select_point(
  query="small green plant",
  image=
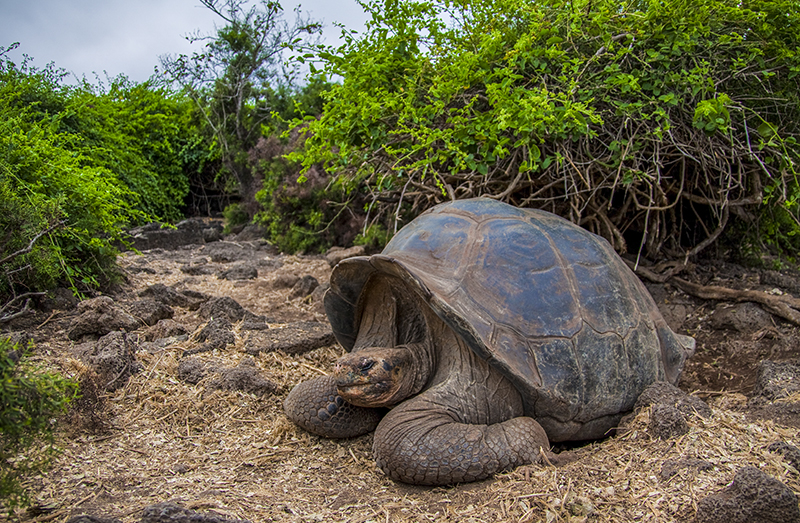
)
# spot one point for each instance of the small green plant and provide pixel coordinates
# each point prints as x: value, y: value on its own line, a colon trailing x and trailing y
x: 374, y: 238
x: 234, y: 216
x: 770, y: 239
x: 30, y: 398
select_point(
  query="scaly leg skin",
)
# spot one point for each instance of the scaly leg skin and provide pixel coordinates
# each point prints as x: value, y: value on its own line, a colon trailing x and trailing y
x: 316, y: 406
x: 425, y: 447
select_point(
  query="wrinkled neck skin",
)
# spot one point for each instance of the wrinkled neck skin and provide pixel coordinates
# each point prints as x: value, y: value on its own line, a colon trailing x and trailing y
x: 393, y: 357
x: 465, y: 386
x: 403, y: 348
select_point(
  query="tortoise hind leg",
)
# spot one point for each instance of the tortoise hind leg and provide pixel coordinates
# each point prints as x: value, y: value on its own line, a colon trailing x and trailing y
x: 423, y: 446
x: 316, y: 406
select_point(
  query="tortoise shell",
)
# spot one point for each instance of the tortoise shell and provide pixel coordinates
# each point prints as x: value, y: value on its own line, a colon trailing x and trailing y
x: 547, y: 303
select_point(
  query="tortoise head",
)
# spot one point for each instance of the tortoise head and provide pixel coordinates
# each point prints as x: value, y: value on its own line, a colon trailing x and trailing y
x: 377, y: 376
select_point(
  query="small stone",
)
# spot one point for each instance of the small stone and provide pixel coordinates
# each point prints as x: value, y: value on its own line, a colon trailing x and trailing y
x: 337, y: 254
x: 240, y: 272
x: 172, y: 513
x: 666, y: 421
x: 89, y: 518
x: 244, y: 377
x: 672, y: 466
x: 99, y: 316
x: 211, y: 234
x: 167, y: 295
x: 166, y: 328
x: 217, y: 334
x: 191, y: 370
x: 304, y: 287
x: 741, y: 317
x: 222, y: 307
x: 285, y: 281
x: 113, y: 358
x: 293, y: 338
x: 776, y: 380
x: 150, y: 311
x: 666, y: 393
x: 226, y: 252
x: 196, y: 269
x: 753, y: 497
x: 319, y: 293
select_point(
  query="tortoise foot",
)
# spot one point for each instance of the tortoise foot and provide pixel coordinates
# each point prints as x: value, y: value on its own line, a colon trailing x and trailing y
x: 316, y: 406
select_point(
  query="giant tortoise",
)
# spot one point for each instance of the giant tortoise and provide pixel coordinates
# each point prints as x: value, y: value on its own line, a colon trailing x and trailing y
x: 489, y: 331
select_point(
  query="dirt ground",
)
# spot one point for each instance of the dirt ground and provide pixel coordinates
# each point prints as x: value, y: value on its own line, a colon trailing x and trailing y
x: 231, y: 452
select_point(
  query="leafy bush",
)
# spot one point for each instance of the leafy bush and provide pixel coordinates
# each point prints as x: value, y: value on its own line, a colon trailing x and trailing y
x: 30, y: 397
x: 374, y: 238
x: 770, y: 240
x: 234, y: 216
x: 139, y: 133
x: 25, y: 266
x: 300, y: 213
x: 292, y: 212
x: 45, y: 182
x: 645, y: 122
x: 80, y: 163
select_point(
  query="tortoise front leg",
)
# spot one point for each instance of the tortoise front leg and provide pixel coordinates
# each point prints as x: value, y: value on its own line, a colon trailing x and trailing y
x: 316, y: 406
x: 421, y: 445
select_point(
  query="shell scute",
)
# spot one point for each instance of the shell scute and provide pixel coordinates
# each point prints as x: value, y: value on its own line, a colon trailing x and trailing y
x: 560, y: 395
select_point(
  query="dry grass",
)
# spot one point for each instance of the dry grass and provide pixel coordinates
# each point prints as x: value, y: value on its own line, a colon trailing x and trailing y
x: 236, y: 454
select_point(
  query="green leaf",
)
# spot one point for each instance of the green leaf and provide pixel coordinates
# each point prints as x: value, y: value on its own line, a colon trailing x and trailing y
x: 766, y: 130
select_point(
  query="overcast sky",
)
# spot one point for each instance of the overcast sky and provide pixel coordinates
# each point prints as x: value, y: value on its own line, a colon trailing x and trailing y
x: 127, y: 36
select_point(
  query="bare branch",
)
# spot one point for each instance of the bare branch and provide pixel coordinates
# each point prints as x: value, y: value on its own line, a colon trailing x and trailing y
x: 6, y: 317
x: 29, y: 248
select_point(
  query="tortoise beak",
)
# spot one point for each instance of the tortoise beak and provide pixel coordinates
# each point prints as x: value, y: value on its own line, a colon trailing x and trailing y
x: 372, y: 377
x: 350, y: 372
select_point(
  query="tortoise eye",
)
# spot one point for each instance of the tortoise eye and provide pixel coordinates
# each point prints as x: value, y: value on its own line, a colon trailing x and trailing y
x: 366, y: 365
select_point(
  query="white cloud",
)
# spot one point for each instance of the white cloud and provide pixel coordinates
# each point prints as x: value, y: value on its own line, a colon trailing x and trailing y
x: 127, y: 36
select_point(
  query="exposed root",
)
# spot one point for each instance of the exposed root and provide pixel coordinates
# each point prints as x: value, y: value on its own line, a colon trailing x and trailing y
x: 787, y: 307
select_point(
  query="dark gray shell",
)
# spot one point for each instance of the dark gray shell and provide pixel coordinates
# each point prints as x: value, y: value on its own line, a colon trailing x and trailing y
x: 546, y: 302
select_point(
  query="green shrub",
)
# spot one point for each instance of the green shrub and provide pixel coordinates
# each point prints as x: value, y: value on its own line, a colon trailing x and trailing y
x: 306, y: 214
x: 46, y: 182
x: 30, y: 398
x: 139, y: 133
x: 234, y: 216
x: 296, y: 210
x: 645, y: 122
x: 83, y: 162
x: 374, y: 238
x: 22, y: 218
x: 770, y: 239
